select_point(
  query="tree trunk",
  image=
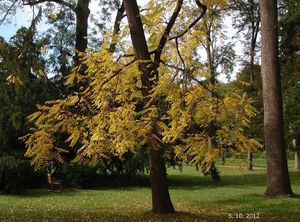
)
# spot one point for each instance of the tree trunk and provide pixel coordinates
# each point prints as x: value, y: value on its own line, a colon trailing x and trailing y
x: 250, y: 160
x: 278, y: 182
x: 297, y: 161
x: 161, y: 202
x: 116, y: 30
x: 222, y: 154
x: 296, y: 144
x: 82, y: 14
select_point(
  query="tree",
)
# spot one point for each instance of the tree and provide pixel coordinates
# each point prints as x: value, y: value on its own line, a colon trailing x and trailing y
x: 79, y: 8
x: 140, y: 96
x: 278, y: 182
x: 82, y: 12
x: 216, y: 57
x: 290, y: 57
x: 161, y: 202
x: 22, y: 84
x: 247, y: 20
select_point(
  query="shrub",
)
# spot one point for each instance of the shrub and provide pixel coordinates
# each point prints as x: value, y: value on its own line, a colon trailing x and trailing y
x: 77, y: 175
x: 15, y: 174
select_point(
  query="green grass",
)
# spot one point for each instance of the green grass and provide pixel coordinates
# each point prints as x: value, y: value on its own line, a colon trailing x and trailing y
x: 257, y: 162
x: 195, y: 198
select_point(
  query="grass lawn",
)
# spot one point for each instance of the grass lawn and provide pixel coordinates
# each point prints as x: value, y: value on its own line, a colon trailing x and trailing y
x: 257, y: 162
x: 195, y: 198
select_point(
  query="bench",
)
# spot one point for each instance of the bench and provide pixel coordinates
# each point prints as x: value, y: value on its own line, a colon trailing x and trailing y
x: 54, y: 183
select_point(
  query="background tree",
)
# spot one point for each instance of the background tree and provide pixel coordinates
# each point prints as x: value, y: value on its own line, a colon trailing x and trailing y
x: 23, y: 84
x: 246, y: 19
x: 289, y: 52
x: 278, y: 182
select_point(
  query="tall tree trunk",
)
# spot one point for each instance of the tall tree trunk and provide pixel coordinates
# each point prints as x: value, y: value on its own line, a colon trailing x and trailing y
x: 82, y: 12
x: 278, y: 182
x: 161, y: 202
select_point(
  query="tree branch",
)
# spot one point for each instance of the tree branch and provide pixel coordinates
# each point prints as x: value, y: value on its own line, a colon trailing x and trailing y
x: 7, y: 12
x: 205, y: 87
x: 117, y: 72
x: 167, y: 31
x: 32, y: 3
x: 172, y: 66
x: 203, y: 8
x: 179, y: 54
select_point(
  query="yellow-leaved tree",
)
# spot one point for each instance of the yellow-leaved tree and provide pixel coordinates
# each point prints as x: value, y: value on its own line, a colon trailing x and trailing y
x: 151, y: 94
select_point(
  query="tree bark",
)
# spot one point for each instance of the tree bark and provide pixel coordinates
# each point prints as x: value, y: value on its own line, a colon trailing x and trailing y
x: 82, y: 12
x: 278, y: 182
x: 161, y: 202
x: 116, y: 30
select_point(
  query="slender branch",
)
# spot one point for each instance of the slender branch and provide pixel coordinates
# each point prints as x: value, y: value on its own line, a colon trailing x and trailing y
x: 179, y: 54
x: 7, y: 12
x: 131, y: 55
x: 172, y: 66
x: 203, y: 8
x: 117, y: 72
x: 193, y: 78
x: 205, y: 87
x: 32, y: 3
x: 167, y: 31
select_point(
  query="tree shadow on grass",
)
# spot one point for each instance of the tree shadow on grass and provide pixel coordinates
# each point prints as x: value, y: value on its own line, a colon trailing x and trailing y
x: 194, y: 182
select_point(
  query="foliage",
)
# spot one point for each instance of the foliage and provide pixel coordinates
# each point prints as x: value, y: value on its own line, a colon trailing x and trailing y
x: 22, y: 85
x: 254, y: 91
x: 289, y: 50
x: 245, y: 16
x: 15, y: 174
x: 104, y: 120
x: 108, y: 118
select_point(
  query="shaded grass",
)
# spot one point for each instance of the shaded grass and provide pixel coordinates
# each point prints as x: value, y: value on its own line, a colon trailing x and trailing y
x: 195, y: 198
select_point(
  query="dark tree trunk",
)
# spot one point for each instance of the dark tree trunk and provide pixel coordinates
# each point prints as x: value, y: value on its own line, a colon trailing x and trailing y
x: 278, y: 182
x: 82, y: 15
x: 116, y: 30
x: 161, y: 202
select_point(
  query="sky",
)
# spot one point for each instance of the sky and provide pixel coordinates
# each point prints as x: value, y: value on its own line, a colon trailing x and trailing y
x: 22, y: 18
